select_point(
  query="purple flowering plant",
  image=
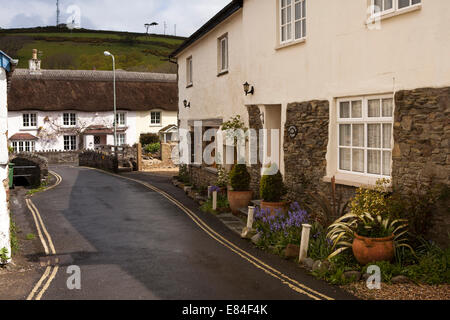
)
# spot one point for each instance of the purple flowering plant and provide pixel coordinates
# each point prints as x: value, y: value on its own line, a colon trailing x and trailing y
x: 280, y: 229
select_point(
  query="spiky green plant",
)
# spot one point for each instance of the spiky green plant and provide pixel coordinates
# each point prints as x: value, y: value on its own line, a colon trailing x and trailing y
x: 368, y: 217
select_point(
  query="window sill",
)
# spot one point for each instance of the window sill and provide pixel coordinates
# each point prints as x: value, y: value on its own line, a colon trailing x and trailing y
x: 394, y: 13
x: 354, y: 180
x: 29, y: 129
x: 222, y: 73
x: 189, y: 86
x: 156, y: 126
x: 290, y: 44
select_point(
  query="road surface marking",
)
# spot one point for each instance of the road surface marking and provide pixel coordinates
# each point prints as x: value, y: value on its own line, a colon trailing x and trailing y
x: 293, y: 284
x: 41, y: 226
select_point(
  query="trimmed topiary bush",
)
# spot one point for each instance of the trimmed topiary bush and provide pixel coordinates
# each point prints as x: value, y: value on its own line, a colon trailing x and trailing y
x: 240, y: 178
x: 272, y: 187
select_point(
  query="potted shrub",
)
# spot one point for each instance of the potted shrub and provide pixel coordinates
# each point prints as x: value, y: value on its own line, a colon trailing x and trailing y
x: 272, y: 191
x: 239, y: 196
x: 369, y: 229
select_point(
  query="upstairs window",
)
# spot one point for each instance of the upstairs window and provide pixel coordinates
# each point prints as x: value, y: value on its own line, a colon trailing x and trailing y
x: 189, y: 81
x: 29, y: 120
x: 155, y: 118
x: 223, y: 54
x: 121, y: 139
x: 121, y: 119
x: 381, y: 7
x: 292, y: 20
x: 69, y: 119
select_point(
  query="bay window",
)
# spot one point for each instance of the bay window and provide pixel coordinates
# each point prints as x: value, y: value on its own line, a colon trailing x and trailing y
x: 292, y: 20
x: 365, y: 133
x: 23, y: 146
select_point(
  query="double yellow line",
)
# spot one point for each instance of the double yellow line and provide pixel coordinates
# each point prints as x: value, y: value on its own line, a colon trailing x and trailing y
x: 286, y: 280
x: 50, y: 272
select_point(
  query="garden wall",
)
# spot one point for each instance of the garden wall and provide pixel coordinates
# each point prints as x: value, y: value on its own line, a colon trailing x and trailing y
x: 202, y: 177
x: 99, y: 160
x: 60, y: 157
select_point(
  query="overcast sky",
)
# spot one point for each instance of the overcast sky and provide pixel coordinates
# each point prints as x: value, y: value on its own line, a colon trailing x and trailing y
x: 117, y: 15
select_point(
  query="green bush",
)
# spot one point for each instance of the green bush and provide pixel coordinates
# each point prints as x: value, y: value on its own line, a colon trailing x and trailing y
x: 272, y: 188
x: 153, y: 148
x: 149, y: 138
x: 240, y: 178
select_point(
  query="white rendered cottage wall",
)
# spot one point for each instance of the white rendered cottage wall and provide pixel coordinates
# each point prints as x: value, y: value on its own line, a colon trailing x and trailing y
x: 144, y: 124
x: 4, y: 212
x: 84, y: 120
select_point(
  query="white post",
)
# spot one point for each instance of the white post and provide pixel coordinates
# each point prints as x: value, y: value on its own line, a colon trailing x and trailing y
x: 215, y: 200
x: 305, y: 242
x: 250, y: 217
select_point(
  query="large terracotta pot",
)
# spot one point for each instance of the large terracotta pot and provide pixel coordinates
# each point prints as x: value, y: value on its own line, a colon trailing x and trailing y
x: 368, y: 250
x: 239, y: 199
x: 274, y: 207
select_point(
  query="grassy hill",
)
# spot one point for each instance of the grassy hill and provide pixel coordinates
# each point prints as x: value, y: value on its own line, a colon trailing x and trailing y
x: 60, y: 48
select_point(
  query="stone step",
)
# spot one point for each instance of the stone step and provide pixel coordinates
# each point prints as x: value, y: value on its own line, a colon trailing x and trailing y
x: 125, y: 169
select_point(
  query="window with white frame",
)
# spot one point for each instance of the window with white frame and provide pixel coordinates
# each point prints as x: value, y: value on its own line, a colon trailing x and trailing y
x: 292, y: 20
x: 29, y: 120
x: 121, y: 119
x: 121, y: 139
x: 69, y: 119
x: 23, y: 146
x: 70, y: 143
x: 223, y: 54
x: 365, y: 134
x: 381, y: 7
x: 189, y: 70
x: 155, y: 118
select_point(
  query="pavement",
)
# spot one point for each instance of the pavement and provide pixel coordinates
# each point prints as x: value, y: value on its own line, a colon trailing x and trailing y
x: 137, y: 236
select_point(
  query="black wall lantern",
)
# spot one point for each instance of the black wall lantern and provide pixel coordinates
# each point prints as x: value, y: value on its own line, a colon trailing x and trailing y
x: 248, y: 90
x: 187, y: 104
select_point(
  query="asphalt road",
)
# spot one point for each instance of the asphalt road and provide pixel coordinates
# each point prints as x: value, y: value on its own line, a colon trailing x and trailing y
x: 132, y: 243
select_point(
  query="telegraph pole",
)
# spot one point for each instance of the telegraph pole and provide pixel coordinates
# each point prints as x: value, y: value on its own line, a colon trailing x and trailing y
x: 57, y: 13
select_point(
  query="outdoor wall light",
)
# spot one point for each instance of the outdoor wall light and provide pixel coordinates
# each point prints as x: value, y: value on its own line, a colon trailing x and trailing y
x: 247, y: 89
x: 187, y: 104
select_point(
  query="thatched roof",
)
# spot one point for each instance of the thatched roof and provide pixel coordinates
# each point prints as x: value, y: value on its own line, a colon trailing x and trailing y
x: 91, y: 91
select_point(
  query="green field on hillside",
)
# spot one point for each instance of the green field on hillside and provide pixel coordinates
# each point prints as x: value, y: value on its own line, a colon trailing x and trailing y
x: 83, y: 49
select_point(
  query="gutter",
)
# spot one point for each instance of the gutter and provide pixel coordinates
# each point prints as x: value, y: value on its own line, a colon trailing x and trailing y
x: 226, y: 12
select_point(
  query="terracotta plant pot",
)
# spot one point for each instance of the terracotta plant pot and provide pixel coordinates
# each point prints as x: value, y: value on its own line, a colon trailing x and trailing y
x: 274, y: 207
x: 368, y: 250
x: 239, y: 199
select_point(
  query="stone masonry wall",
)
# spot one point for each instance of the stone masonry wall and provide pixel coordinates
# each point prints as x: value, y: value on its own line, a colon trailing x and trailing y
x: 421, y: 152
x: 255, y: 170
x: 99, y: 160
x: 305, y: 155
x: 201, y: 177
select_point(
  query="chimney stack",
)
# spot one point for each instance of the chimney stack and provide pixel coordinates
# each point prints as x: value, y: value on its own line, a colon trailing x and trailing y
x: 35, y: 63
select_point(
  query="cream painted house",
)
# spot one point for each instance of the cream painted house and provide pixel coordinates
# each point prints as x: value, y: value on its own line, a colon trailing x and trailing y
x: 358, y: 88
x: 7, y: 66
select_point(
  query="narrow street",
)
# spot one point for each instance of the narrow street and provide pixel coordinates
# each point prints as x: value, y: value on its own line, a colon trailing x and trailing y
x: 131, y: 242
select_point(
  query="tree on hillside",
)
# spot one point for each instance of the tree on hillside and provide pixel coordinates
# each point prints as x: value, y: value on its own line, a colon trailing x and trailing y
x: 148, y: 25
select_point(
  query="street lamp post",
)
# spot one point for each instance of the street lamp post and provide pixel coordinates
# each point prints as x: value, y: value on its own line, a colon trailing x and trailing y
x: 115, y: 109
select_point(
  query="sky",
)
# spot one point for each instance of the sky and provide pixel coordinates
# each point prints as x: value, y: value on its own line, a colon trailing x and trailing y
x: 116, y: 15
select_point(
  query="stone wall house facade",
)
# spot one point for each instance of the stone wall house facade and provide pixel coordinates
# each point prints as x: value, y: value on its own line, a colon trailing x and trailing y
x: 359, y: 92
x: 7, y: 66
x: 68, y: 110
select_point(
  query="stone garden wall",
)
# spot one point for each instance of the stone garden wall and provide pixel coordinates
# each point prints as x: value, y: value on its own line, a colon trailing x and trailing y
x: 38, y: 175
x: 60, y: 157
x: 202, y: 177
x: 99, y: 160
